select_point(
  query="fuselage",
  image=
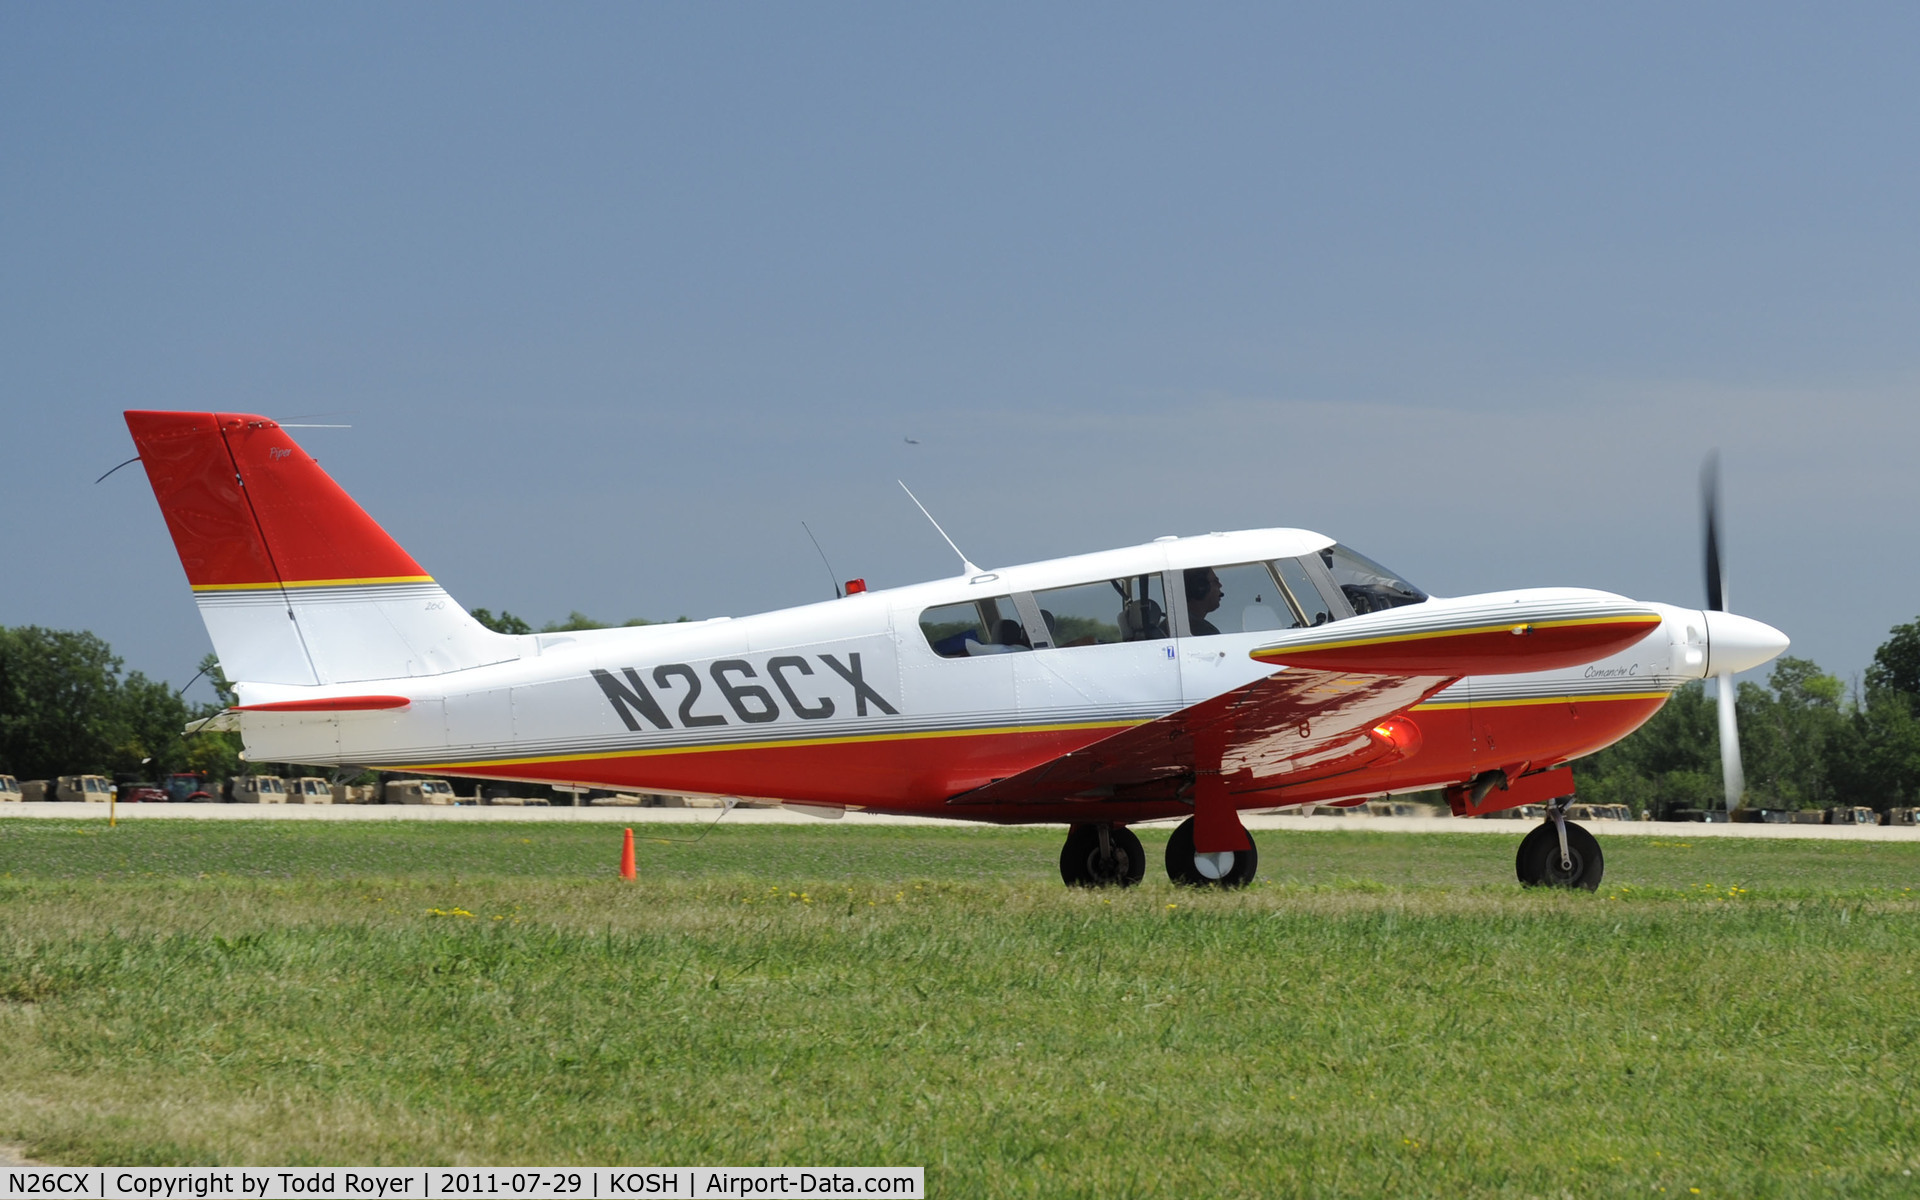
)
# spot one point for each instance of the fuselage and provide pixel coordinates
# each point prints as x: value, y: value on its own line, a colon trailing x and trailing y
x: 901, y: 700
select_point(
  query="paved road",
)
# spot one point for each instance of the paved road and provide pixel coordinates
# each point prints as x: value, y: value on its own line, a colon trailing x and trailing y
x: 789, y: 816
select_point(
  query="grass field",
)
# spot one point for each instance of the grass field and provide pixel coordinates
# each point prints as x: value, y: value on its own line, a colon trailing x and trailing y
x: 1381, y: 1014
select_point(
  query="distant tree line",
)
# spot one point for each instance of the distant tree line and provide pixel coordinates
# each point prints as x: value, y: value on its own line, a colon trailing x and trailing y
x: 506, y: 622
x: 68, y: 706
x: 1806, y: 741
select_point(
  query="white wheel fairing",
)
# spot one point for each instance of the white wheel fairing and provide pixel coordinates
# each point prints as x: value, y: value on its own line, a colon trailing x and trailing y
x: 1216, y: 865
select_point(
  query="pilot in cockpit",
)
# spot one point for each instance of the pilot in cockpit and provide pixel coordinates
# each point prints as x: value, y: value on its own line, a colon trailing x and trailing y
x: 1203, y: 597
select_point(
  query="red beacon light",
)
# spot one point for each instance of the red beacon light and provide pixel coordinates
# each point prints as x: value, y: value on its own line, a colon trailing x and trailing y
x: 856, y: 586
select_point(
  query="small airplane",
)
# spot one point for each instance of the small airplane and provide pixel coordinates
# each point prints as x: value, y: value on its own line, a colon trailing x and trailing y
x: 1190, y: 677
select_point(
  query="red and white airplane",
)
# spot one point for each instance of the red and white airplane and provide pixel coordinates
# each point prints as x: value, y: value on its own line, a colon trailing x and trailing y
x: 1190, y: 676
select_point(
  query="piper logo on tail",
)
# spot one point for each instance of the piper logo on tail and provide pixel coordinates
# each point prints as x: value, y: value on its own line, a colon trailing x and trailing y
x: 796, y: 689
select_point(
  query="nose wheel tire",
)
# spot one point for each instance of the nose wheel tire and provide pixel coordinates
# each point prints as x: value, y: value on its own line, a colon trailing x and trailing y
x: 1084, y: 862
x: 1221, y: 869
x: 1538, y: 864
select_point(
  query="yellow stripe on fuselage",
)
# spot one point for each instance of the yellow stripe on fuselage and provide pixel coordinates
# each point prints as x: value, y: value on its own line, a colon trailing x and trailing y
x: 310, y: 583
x: 1561, y: 698
x: 787, y: 743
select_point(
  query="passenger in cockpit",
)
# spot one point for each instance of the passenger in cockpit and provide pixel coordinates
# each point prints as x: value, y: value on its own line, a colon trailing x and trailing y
x: 1203, y: 597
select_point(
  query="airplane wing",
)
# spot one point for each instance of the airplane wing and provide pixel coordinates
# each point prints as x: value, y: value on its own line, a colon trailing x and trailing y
x: 1288, y: 727
x: 1335, y: 705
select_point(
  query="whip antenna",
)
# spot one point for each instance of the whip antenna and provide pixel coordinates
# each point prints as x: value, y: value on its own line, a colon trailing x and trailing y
x: 966, y: 565
x: 823, y: 559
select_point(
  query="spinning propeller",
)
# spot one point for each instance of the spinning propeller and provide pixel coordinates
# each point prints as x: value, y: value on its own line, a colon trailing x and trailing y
x: 1734, y: 643
x: 1731, y: 772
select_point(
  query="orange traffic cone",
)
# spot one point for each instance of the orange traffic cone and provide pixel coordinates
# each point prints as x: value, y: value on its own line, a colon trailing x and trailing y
x: 626, y: 857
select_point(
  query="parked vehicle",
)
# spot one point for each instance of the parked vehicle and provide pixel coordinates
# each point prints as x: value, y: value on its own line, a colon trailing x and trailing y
x: 1525, y: 812
x: 419, y: 791
x: 259, y: 789
x: 356, y: 793
x: 140, y: 792
x: 83, y: 789
x: 1851, y: 814
x: 184, y: 787
x: 36, y: 791
x: 9, y: 790
x: 1599, y: 812
x: 1395, y: 808
x: 1901, y: 816
x: 309, y: 789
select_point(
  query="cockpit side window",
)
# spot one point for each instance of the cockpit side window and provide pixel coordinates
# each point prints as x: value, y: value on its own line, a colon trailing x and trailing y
x: 1241, y: 598
x: 1132, y: 609
x: 1368, y: 586
x: 974, y: 627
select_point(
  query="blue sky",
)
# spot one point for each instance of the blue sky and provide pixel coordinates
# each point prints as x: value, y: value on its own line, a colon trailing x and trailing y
x: 615, y: 296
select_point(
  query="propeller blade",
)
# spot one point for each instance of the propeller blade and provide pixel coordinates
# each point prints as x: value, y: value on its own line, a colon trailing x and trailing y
x: 1730, y: 770
x: 1710, y: 505
x: 1732, y: 776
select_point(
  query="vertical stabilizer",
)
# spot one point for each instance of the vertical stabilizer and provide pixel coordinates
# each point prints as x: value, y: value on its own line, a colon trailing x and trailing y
x: 297, y: 584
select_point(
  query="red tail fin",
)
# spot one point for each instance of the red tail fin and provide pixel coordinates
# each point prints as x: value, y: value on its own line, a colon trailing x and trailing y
x: 248, y: 508
x: 297, y: 584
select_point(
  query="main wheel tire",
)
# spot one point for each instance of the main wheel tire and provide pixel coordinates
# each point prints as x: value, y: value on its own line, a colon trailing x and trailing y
x: 1224, y: 869
x: 1082, y: 865
x: 1538, y: 861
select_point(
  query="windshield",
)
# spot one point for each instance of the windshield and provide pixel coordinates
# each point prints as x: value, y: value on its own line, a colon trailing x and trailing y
x: 1368, y: 586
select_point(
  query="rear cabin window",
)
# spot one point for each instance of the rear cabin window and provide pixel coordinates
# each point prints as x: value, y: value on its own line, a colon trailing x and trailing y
x: 974, y: 628
x: 1241, y: 598
x: 1133, y: 609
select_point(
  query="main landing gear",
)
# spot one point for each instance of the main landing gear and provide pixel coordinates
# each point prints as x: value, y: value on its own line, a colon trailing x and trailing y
x: 1221, y: 869
x: 1559, y: 853
x: 1099, y: 854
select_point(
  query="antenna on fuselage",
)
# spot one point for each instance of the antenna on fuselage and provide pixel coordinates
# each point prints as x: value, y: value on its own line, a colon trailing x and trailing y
x: 823, y: 559
x: 967, y: 567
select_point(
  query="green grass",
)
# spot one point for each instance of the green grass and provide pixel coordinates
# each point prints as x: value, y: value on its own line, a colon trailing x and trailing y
x: 1381, y: 1014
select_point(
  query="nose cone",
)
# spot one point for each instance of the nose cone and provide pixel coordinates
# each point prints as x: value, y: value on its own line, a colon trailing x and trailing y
x: 1736, y: 643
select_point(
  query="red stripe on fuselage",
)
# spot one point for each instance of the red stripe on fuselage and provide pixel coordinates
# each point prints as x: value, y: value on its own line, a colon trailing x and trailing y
x: 331, y: 704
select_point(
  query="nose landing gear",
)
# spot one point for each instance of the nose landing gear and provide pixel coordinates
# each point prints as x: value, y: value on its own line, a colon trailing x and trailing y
x: 1099, y: 854
x: 1558, y: 853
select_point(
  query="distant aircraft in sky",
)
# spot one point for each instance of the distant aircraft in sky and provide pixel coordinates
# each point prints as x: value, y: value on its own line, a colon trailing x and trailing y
x: 913, y: 441
x: 1193, y: 677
